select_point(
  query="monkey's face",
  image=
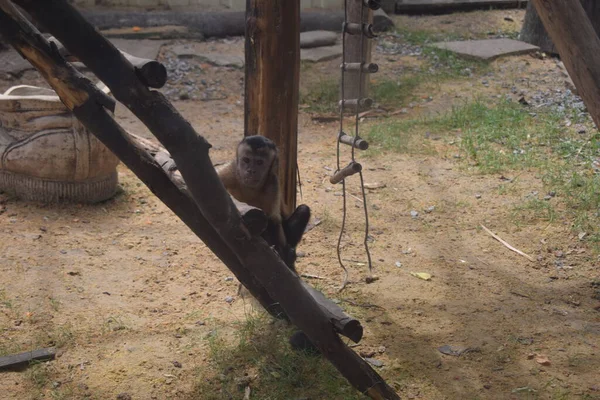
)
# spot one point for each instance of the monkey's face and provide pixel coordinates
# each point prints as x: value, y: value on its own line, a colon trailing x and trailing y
x: 253, y: 166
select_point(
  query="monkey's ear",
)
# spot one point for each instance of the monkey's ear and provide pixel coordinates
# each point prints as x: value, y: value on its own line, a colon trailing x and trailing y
x: 295, y: 225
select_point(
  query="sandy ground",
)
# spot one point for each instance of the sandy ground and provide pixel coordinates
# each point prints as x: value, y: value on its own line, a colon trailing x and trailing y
x: 124, y: 289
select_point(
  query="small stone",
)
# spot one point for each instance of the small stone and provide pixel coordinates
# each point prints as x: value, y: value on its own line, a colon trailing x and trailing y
x: 229, y: 299
x: 414, y: 213
x: 398, y: 264
x: 229, y: 279
x: 477, y: 195
x: 176, y: 364
x: 300, y: 254
x: 374, y: 362
x: 559, y: 254
x: 381, y: 349
x: 123, y: 396
x: 429, y: 209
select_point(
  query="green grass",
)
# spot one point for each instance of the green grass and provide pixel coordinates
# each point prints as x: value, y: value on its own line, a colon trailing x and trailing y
x: 503, y: 137
x: 260, y: 354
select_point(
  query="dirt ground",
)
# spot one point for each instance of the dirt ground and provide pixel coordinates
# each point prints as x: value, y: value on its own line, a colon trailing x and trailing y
x: 124, y: 289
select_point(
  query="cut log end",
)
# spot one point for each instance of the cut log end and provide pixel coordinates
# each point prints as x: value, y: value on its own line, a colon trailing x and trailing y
x: 350, y: 169
x: 359, y: 143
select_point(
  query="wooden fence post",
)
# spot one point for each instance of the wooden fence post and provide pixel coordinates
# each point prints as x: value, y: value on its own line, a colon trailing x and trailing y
x: 272, y: 83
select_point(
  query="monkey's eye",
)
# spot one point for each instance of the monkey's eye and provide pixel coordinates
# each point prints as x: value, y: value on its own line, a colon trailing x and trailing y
x: 246, y: 160
x: 259, y: 162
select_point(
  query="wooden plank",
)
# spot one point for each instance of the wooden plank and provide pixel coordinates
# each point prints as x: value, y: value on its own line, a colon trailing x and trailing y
x: 22, y: 359
x: 272, y: 84
x: 578, y: 46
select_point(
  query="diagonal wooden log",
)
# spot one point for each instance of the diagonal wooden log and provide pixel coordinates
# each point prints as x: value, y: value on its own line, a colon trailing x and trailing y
x: 190, y: 153
x: 88, y: 104
x: 578, y: 45
x: 253, y: 217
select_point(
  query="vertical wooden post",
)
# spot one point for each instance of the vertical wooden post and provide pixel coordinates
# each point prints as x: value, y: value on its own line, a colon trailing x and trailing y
x: 578, y: 45
x: 354, y: 51
x: 272, y: 83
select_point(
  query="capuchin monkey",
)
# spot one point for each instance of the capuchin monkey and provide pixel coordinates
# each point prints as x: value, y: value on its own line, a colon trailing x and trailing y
x: 252, y: 177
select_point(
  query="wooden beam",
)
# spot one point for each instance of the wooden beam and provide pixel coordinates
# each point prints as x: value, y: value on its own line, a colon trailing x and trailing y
x: 578, y: 46
x: 15, y: 361
x: 272, y: 83
x: 190, y: 153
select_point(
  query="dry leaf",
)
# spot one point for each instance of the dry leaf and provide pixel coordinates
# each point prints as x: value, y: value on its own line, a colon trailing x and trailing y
x: 422, y: 275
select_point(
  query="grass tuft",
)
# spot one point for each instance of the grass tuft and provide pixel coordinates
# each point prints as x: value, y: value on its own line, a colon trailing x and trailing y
x: 261, y: 358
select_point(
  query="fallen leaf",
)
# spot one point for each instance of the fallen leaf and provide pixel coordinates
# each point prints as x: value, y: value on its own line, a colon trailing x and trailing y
x: 422, y: 275
x: 136, y: 29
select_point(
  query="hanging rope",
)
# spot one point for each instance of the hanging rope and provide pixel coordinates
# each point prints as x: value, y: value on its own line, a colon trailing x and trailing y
x: 354, y: 141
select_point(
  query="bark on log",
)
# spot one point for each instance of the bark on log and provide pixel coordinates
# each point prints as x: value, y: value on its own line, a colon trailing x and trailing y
x: 343, y: 323
x: 578, y: 45
x: 190, y: 153
x: 218, y: 24
x: 272, y: 84
x: 533, y: 30
x: 151, y: 72
x: 254, y: 218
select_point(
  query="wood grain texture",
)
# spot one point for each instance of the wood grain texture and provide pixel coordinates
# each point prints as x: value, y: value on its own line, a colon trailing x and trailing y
x: 272, y: 84
x: 578, y: 45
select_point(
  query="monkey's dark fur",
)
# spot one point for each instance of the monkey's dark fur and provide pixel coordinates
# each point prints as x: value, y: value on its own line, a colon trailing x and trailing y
x: 252, y: 177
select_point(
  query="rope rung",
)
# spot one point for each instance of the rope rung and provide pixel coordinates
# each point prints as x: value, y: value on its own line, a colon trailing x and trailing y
x: 350, y: 169
x: 369, y: 68
x: 364, y: 102
x: 354, y: 28
x: 359, y: 143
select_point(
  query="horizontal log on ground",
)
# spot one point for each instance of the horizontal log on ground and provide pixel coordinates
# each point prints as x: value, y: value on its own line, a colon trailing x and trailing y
x: 16, y: 361
x: 348, y: 170
x: 191, y: 155
x: 151, y: 72
x: 359, y: 143
x: 448, y: 6
x: 220, y: 24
